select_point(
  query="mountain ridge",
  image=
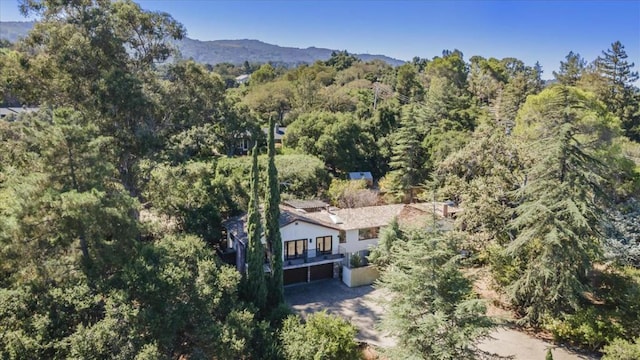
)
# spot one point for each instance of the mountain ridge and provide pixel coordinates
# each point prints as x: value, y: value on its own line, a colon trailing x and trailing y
x: 225, y: 50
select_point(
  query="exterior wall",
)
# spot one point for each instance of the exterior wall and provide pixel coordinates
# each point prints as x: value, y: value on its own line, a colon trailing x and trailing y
x: 359, y: 276
x: 302, y: 230
x: 354, y: 245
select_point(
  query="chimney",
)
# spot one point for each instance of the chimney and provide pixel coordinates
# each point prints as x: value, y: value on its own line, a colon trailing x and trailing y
x: 445, y: 210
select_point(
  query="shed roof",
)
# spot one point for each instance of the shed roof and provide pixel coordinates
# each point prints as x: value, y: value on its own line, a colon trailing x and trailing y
x: 366, y: 175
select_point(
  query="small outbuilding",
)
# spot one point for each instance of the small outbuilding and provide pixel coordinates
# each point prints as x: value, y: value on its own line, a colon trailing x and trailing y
x: 362, y: 175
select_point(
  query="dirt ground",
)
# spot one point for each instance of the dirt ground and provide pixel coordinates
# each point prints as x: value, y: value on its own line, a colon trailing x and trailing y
x: 359, y: 306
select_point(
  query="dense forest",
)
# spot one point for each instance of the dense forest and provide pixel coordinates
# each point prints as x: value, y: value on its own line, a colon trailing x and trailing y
x: 113, y: 194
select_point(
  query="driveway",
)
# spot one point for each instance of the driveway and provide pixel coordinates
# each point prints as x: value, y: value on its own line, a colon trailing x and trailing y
x: 358, y: 305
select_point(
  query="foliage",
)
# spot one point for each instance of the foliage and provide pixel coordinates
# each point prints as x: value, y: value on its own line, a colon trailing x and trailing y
x: 408, y: 157
x: 190, y: 195
x: 571, y: 70
x: 619, y: 93
x: 337, y: 139
x: 272, y: 225
x: 482, y: 178
x: 301, y: 176
x: 355, y: 261
x: 430, y: 307
x: 587, y: 328
x: 558, y: 222
x: 620, y: 349
x: 341, y: 60
x: 380, y: 255
x: 351, y: 194
x: 321, y: 336
x: 613, y: 312
x: 622, y: 245
x: 256, y: 286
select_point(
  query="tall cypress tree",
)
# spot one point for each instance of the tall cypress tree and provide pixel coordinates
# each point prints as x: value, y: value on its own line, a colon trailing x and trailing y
x: 272, y: 223
x: 256, y: 286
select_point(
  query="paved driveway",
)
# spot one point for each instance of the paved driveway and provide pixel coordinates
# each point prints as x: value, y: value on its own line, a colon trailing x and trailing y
x: 358, y: 305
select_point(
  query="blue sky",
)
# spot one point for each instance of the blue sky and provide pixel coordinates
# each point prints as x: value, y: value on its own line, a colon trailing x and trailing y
x: 532, y: 31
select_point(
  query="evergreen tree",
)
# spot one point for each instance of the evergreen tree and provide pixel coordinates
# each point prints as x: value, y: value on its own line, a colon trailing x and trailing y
x: 272, y: 223
x: 558, y: 220
x: 431, y: 309
x: 408, y: 157
x: 621, y: 96
x: 256, y: 286
x: 381, y: 254
x: 570, y: 70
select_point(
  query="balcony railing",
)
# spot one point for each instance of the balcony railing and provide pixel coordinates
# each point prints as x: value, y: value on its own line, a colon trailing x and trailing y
x: 308, y: 257
x: 355, y: 259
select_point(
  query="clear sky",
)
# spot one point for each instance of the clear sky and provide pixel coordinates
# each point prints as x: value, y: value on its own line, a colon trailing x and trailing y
x: 532, y: 31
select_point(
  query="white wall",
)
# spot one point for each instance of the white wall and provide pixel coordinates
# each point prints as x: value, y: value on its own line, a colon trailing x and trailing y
x: 353, y: 244
x: 302, y: 230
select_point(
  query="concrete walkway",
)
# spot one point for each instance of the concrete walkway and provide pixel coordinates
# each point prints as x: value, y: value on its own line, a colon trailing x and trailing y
x: 359, y: 306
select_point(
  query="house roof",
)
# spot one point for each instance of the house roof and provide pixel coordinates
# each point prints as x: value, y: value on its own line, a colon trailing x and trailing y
x: 305, y: 204
x: 289, y: 216
x: 419, y: 215
x: 278, y: 132
x: 359, y: 175
x: 16, y: 110
x: 358, y: 218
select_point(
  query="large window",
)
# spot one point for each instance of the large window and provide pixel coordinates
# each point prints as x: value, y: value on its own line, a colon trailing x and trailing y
x: 295, y: 249
x: 323, y: 244
x: 368, y: 233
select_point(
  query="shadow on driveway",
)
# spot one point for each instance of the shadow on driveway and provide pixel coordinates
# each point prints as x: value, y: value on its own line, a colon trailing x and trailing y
x: 356, y: 305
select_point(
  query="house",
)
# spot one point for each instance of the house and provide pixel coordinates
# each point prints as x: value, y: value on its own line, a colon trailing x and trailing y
x: 246, y: 140
x: 364, y: 175
x: 318, y: 241
x: 278, y: 133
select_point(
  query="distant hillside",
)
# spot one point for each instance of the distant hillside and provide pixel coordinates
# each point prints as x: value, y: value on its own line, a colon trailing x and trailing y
x: 14, y: 30
x: 218, y: 51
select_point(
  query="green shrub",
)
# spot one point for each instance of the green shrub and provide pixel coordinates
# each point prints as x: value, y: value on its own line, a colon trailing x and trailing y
x: 620, y: 349
x: 355, y: 260
x: 322, y: 336
x: 505, y: 269
x: 590, y: 328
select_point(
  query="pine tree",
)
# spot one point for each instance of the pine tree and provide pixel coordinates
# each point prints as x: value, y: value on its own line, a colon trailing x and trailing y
x: 621, y: 96
x: 571, y: 70
x: 272, y: 223
x: 408, y: 158
x: 430, y: 305
x: 256, y: 286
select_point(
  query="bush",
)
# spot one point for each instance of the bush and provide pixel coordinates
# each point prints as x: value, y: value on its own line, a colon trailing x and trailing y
x: 620, y: 349
x: 590, y: 328
x: 355, y: 260
x: 322, y: 336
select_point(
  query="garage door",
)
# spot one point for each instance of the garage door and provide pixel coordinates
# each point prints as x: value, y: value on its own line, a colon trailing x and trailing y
x: 324, y: 271
x: 293, y: 276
